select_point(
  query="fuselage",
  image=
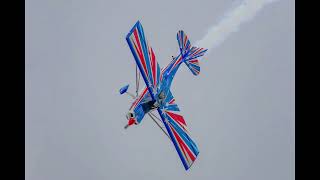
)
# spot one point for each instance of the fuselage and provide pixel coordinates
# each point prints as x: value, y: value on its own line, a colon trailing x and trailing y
x: 139, y: 107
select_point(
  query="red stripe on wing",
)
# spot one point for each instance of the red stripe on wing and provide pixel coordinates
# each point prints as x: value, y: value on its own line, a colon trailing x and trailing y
x: 183, y: 145
x: 172, y: 101
x: 176, y: 117
x: 140, y: 53
x: 140, y: 98
x: 153, y: 67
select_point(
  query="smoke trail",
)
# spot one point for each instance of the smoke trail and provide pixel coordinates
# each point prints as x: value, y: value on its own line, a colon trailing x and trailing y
x: 231, y: 22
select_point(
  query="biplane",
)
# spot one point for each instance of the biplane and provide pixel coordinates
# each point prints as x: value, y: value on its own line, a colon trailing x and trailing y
x: 156, y: 95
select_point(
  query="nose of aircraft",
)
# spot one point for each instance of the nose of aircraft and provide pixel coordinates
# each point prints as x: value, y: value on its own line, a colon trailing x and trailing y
x: 130, y: 122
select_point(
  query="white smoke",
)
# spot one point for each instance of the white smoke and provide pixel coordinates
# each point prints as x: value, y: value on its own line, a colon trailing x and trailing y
x: 231, y: 22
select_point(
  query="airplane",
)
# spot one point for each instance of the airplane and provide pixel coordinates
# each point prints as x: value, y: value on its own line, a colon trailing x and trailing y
x: 156, y: 95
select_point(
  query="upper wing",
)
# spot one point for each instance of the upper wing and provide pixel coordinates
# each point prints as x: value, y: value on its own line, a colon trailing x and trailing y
x: 179, y: 134
x: 144, y: 57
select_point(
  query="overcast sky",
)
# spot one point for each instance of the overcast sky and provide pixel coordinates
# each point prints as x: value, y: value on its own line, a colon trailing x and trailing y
x: 239, y: 110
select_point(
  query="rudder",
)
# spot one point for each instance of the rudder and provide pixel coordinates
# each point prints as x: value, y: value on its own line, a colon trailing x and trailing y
x: 189, y: 54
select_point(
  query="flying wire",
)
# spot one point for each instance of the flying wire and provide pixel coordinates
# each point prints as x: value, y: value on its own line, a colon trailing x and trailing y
x: 153, y: 118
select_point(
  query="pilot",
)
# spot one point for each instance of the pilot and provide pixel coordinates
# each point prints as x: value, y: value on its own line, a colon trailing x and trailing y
x: 147, y: 106
x: 161, y: 97
x: 153, y: 104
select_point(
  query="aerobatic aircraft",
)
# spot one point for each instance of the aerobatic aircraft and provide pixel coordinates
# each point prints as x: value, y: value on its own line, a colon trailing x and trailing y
x: 156, y: 95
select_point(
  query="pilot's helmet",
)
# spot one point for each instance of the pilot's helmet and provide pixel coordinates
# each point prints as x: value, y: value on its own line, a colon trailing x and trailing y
x: 161, y: 95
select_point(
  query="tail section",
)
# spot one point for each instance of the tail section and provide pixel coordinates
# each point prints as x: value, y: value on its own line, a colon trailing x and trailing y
x: 189, y: 54
x: 194, y: 66
x: 183, y: 41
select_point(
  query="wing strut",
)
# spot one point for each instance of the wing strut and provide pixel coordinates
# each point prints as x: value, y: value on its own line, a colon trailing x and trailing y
x: 154, y: 117
x: 137, y: 81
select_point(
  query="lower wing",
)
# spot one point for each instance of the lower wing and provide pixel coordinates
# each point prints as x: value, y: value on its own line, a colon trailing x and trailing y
x: 178, y: 132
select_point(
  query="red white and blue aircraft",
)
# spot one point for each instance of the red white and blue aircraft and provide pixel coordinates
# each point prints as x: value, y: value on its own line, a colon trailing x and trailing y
x: 156, y: 96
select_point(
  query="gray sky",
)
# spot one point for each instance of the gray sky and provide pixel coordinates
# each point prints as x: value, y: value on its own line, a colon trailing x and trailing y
x: 239, y: 110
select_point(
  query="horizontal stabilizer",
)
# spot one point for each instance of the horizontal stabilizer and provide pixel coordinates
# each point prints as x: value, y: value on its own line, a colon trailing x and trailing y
x: 188, y: 53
